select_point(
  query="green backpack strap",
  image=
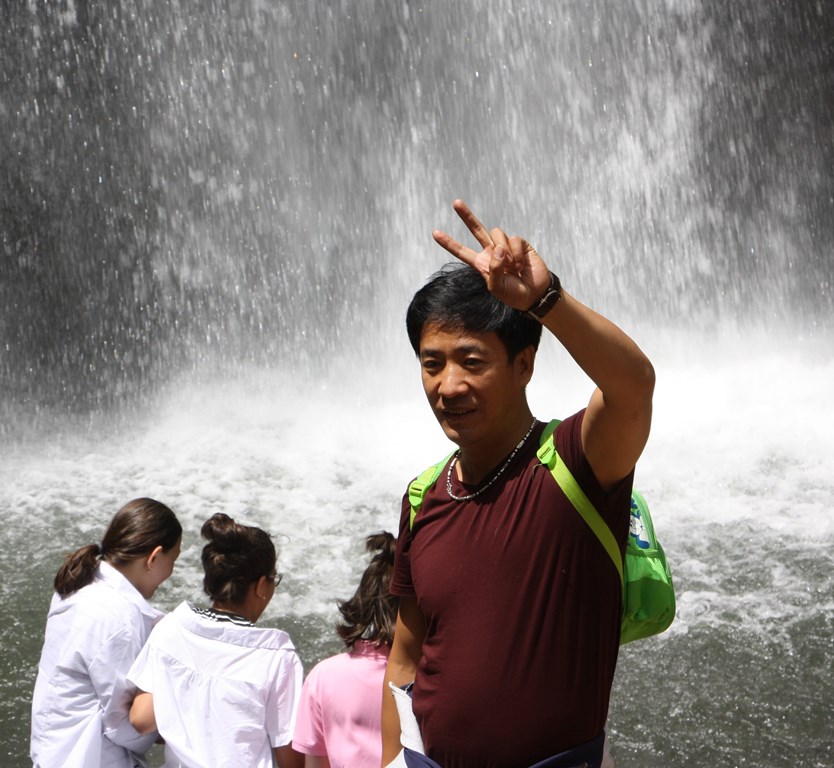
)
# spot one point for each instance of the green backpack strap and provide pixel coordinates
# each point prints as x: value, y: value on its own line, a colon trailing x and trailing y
x: 418, y: 487
x: 549, y: 456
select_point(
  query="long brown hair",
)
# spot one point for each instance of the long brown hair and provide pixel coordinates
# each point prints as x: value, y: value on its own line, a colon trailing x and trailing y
x: 235, y: 557
x: 371, y: 613
x: 135, y: 531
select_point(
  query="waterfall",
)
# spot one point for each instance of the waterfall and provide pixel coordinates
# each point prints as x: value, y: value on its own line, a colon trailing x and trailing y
x: 214, y: 214
x: 223, y: 184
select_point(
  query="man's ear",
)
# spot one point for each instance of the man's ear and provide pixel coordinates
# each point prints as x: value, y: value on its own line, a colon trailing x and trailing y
x: 525, y: 362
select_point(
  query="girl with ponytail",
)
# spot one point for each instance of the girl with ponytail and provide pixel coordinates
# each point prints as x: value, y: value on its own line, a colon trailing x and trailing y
x: 222, y: 691
x: 339, y: 717
x: 98, y: 621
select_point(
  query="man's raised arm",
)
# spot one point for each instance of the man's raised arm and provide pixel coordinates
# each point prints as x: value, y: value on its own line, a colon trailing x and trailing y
x: 617, y: 422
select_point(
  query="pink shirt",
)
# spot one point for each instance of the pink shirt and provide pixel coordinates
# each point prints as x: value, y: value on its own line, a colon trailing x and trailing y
x: 339, y: 714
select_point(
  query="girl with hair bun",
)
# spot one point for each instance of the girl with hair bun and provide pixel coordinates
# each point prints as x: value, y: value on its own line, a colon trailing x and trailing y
x: 98, y: 621
x: 222, y: 691
x: 339, y: 717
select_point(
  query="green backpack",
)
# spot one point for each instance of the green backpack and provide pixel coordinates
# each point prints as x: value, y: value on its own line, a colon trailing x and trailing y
x: 648, y: 592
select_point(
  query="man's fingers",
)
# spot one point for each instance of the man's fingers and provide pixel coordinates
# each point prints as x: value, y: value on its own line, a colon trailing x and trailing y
x: 513, y: 271
x: 458, y: 250
x: 478, y: 230
x: 518, y: 246
x: 499, y: 237
x: 499, y: 278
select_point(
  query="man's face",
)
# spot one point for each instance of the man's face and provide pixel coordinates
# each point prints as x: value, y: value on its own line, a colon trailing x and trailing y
x: 472, y: 387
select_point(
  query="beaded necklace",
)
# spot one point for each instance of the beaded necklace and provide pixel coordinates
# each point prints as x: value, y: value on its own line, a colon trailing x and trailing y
x: 494, y: 477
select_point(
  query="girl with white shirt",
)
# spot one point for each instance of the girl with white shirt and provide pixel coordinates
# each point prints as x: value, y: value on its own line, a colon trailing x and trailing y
x: 98, y: 621
x: 222, y: 691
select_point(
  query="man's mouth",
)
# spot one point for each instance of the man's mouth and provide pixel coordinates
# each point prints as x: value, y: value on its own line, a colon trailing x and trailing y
x: 456, y: 413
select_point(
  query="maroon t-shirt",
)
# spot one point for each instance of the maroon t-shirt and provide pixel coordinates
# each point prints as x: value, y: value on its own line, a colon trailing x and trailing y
x: 522, y: 608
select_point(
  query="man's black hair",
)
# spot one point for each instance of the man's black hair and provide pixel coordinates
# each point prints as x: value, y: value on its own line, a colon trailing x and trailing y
x: 457, y: 297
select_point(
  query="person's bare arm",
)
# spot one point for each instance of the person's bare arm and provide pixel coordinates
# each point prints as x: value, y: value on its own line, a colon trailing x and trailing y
x: 287, y: 757
x: 406, y: 651
x: 617, y: 422
x: 316, y: 761
x: 141, y: 713
x: 619, y: 415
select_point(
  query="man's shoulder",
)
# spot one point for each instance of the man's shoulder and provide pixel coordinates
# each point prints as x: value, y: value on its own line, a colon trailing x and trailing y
x: 569, y: 429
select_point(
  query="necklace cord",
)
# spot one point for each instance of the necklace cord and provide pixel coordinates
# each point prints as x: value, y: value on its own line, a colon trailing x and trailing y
x: 493, y: 478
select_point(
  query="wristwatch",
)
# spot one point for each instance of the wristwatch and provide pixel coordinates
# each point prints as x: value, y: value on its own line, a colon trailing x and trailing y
x: 548, y: 301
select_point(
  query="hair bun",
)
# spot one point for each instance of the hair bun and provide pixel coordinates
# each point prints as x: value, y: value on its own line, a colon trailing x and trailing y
x: 218, y: 527
x: 235, y: 556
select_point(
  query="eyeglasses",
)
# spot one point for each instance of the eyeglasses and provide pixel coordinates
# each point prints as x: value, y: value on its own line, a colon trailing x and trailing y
x: 275, y: 578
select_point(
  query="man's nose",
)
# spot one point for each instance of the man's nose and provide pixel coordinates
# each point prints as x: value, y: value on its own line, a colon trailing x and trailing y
x: 453, y: 381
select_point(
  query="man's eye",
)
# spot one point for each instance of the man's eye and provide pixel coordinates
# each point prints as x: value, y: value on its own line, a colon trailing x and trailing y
x: 472, y: 362
x: 431, y: 365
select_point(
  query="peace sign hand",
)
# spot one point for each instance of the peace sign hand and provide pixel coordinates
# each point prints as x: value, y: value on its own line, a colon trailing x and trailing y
x: 514, y: 273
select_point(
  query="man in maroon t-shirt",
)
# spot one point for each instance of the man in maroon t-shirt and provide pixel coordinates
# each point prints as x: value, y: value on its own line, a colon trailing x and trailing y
x: 509, y: 606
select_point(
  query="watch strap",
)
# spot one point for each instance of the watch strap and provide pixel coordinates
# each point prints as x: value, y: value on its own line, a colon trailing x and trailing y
x: 548, y: 301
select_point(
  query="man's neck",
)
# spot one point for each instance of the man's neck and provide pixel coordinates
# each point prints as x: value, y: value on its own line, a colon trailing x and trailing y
x: 477, y: 461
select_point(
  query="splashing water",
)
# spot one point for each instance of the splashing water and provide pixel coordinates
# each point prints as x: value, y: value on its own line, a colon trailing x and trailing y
x: 216, y: 215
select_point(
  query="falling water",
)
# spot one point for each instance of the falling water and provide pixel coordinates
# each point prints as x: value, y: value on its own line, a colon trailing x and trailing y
x: 214, y: 214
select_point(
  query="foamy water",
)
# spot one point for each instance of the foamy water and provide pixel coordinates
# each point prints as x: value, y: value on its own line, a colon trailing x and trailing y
x: 737, y: 472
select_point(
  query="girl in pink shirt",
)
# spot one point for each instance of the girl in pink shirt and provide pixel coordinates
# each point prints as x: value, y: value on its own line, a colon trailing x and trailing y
x: 338, y: 724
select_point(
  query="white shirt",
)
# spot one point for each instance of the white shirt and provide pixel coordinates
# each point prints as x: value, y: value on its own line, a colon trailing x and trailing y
x: 223, y: 695
x: 81, y: 700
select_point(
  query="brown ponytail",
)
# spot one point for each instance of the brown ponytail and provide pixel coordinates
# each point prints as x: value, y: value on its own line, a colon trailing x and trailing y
x: 135, y: 531
x: 371, y: 613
